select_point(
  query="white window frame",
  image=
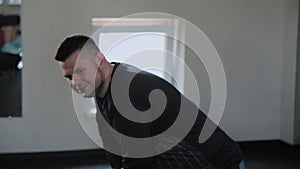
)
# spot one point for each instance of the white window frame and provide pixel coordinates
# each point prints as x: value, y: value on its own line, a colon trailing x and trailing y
x: 169, y: 26
x: 173, y: 29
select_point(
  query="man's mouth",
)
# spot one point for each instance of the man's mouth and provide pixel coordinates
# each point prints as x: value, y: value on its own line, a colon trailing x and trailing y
x: 81, y: 89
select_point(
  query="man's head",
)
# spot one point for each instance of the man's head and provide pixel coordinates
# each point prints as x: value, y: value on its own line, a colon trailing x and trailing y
x: 84, y: 66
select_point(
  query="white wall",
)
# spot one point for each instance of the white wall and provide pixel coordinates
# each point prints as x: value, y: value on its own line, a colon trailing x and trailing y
x: 297, y: 95
x: 248, y: 34
x: 289, y: 72
x: 9, y: 9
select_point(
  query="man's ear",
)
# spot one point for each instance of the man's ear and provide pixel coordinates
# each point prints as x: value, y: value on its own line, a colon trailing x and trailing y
x: 99, y: 58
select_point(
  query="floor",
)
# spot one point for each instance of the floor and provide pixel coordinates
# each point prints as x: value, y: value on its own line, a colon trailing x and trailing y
x: 257, y: 155
x: 271, y: 155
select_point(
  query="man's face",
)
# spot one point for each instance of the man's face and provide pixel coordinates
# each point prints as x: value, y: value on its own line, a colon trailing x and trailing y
x: 83, y: 74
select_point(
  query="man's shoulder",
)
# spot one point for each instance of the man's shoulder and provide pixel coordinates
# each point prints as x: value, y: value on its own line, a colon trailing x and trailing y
x: 123, y: 72
x: 128, y: 68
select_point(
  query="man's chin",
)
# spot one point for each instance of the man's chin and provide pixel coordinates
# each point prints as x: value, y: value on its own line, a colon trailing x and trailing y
x: 87, y: 95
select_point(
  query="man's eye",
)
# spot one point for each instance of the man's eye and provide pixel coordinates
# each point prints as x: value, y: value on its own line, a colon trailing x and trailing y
x: 79, y: 71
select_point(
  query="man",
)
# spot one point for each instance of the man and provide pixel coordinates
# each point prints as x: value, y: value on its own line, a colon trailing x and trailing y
x: 10, y: 28
x: 91, y: 75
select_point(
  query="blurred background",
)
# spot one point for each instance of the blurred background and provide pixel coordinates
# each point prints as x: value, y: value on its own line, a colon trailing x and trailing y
x: 257, y: 42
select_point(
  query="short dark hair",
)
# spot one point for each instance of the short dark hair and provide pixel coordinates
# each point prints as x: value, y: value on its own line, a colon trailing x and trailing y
x: 71, y: 45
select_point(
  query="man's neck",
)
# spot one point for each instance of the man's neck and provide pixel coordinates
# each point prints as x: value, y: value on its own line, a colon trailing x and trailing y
x: 103, y: 89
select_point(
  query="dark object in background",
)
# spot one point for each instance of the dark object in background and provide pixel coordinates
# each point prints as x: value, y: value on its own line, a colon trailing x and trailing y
x: 10, y: 85
x: 11, y: 20
x: 9, y: 61
x: 10, y: 75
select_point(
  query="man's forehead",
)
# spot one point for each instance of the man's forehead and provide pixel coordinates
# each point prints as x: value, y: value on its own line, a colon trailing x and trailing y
x: 64, y: 65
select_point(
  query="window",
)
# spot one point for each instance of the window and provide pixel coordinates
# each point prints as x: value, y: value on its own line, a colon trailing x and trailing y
x: 147, y: 43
